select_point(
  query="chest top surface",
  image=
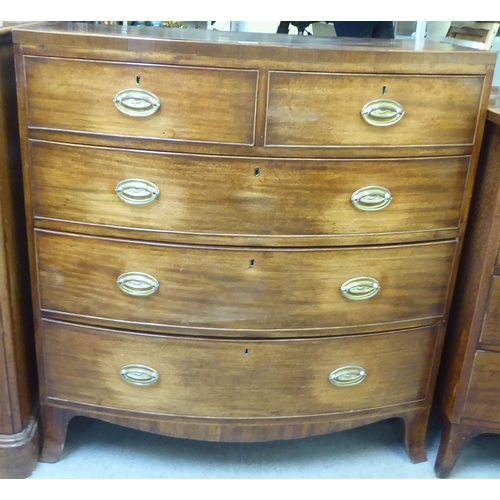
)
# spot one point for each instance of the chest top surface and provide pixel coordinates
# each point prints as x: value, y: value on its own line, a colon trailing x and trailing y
x: 293, y: 50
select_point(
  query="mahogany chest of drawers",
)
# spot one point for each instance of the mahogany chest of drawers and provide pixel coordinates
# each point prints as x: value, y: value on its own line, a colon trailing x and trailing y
x: 18, y: 388
x: 243, y: 237
x: 471, y: 394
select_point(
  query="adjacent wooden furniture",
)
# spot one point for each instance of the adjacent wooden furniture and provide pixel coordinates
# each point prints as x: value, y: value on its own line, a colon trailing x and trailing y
x: 478, y: 35
x: 471, y: 393
x: 18, y: 388
x: 243, y: 237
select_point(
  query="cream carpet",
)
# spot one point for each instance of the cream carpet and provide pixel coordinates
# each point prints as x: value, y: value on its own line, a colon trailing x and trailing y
x: 98, y: 450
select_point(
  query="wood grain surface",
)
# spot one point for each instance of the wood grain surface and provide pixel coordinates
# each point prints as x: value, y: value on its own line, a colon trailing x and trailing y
x: 483, y: 402
x: 468, y: 380
x: 218, y: 289
x: 220, y: 196
x: 235, y: 379
x: 245, y: 258
x: 197, y: 104
x: 325, y: 110
x: 490, y: 333
x: 18, y: 384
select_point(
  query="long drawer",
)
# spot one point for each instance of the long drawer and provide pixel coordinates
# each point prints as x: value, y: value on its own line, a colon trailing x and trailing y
x: 490, y: 332
x: 216, y: 195
x: 483, y: 395
x: 320, y: 109
x: 242, y: 288
x: 235, y: 379
x: 179, y: 103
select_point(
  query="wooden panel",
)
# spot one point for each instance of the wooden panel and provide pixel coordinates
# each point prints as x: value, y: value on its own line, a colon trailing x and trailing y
x: 308, y: 109
x: 213, y: 195
x: 216, y: 288
x: 17, y: 367
x: 18, y: 394
x: 237, y: 49
x: 478, y: 35
x: 490, y: 333
x: 494, y: 106
x: 253, y: 378
x: 483, y: 398
x: 7, y: 150
x: 5, y: 407
x: 474, y: 277
x: 19, y: 452
x: 197, y: 104
x: 347, y: 152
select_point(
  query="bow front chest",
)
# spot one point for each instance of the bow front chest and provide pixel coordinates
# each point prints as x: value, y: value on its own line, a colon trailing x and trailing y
x: 243, y: 237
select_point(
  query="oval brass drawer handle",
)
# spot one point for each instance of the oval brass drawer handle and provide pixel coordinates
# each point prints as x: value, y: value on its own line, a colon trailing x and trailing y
x: 371, y: 198
x: 137, y: 191
x: 137, y: 103
x: 382, y: 112
x: 361, y: 288
x: 137, y: 284
x: 347, y: 376
x: 139, y: 375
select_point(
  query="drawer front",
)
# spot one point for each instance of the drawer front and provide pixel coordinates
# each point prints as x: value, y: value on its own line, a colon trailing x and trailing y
x: 311, y: 109
x: 483, y: 396
x: 249, y: 288
x: 253, y: 378
x: 490, y: 332
x: 195, y: 104
x: 210, y: 195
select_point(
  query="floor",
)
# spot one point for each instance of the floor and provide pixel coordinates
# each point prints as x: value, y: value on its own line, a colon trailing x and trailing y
x: 98, y: 450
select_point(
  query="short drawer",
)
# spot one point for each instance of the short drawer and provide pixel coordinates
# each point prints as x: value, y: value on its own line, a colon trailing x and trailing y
x: 490, y: 332
x: 242, y: 288
x: 244, y: 197
x: 314, y: 109
x: 235, y: 379
x: 187, y: 103
x: 483, y: 396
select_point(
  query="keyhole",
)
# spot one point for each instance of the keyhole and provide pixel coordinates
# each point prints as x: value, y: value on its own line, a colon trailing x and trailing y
x: 247, y: 351
x: 252, y: 262
x: 384, y: 90
x: 137, y: 80
x: 256, y: 172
